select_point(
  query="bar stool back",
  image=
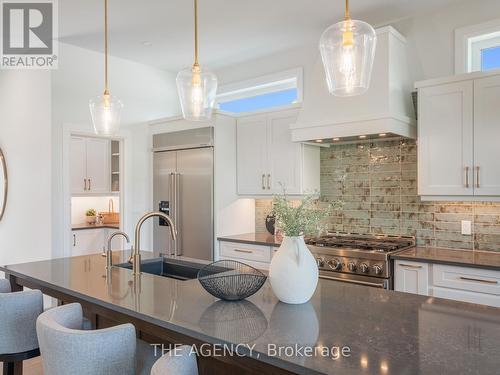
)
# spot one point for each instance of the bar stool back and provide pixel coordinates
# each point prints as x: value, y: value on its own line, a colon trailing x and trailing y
x: 18, y: 314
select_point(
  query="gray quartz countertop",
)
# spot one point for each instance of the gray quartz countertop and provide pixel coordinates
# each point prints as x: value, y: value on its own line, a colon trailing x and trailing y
x: 469, y: 258
x: 386, y: 332
x: 253, y: 239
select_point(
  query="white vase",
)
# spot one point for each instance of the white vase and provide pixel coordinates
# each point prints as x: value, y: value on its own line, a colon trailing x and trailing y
x: 293, y: 272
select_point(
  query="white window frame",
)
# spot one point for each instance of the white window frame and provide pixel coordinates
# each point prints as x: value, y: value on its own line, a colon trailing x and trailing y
x: 470, y: 40
x: 292, y: 78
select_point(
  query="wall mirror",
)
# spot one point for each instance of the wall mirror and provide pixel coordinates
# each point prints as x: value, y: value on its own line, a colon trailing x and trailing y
x: 3, y: 184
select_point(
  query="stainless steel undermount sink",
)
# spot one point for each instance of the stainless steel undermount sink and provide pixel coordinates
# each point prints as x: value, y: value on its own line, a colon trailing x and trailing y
x: 165, y: 267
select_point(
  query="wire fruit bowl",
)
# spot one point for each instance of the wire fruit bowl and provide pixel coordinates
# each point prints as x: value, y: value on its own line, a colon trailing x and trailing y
x: 231, y: 280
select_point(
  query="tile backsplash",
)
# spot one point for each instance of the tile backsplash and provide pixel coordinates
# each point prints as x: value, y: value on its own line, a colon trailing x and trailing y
x: 378, y: 184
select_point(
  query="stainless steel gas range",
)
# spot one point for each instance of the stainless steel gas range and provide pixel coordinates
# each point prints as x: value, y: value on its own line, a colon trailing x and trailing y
x: 356, y: 258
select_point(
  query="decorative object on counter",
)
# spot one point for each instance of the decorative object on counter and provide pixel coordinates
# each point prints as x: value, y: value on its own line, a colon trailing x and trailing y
x: 348, y: 51
x: 293, y: 272
x: 110, y: 217
x: 231, y: 280
x: 4, y: 184
x: 270, y: 221
x: 106, y: 110
x: 239, y: 321
x: 90, y: 216
x: 196, y: 87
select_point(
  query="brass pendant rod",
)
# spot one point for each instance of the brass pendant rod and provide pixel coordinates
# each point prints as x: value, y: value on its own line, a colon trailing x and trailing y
x: 196, y: 32
x: 347, y: 15
x: 106, y: 86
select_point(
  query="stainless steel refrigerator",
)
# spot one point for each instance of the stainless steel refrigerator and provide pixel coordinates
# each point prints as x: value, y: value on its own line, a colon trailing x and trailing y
x: 183, y: 189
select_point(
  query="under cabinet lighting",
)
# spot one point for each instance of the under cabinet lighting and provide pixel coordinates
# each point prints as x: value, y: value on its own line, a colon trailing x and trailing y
x: 362, y: 136
x: 382, y: 135
x: 319, y: 140
x: 336, y: 139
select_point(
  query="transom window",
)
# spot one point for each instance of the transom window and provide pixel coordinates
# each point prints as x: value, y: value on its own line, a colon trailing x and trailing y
x: 272, y: 91
x: 477, y: 47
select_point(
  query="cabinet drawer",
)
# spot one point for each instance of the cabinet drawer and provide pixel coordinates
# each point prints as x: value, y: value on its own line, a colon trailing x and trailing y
x: 245, y: 251
x: 468, y: 279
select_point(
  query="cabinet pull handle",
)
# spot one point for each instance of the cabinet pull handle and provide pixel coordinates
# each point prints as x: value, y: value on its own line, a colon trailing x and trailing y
x: 243, y: 251
x: 477, y: 177
x: 74, y: 240
x: 268, y: 182
x: 478, y: 280
x: 89, y: 185
x: 84, y: 184
x: 467, y: 177
x: 409, y: 265
x: 263, y: 182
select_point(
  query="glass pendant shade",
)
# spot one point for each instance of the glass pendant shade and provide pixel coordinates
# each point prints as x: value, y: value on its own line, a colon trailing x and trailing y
x: 348, y: 51
x: 106, y: 112
x: 197, y: 89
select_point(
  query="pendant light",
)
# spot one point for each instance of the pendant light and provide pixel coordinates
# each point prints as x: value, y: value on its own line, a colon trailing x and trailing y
x: 196, y: 87
x: 106, y: 110
x: 348, y: 50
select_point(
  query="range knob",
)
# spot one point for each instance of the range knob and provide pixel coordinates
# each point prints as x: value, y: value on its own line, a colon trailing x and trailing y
x: 351, y: 266
x: 377, y: 268
x: 320, y: 262
x: 364, y: 268
x: 334, y: 264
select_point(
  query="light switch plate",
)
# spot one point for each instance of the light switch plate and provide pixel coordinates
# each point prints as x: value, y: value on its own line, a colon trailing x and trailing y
x: 466, y: 227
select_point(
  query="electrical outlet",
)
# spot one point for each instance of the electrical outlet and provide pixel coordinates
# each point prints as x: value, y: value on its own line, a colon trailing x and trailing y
x: 466, y: 227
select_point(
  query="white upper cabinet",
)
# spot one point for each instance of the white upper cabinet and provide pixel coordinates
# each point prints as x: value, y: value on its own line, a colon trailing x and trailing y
x: 445, y: 135
x: 251, y: 155
x: 98, y: 173
x: 458, y: 136
x: 284, y: 156
x: 268, y: 160
x: 487, y: 136
x: 90, y: 166
x: 78, y: 165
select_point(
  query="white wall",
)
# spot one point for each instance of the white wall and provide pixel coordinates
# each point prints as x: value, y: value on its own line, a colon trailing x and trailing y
x: 147, y: 93
x: 25, y: 137
x: 430, y: 40
x: 431, y: 37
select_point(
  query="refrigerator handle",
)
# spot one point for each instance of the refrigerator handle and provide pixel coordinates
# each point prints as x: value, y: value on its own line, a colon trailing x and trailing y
x: 178, y: 209
x: 173, y: 209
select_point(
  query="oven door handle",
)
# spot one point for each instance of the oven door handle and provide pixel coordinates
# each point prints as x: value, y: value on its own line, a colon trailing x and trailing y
x: 351, y: 281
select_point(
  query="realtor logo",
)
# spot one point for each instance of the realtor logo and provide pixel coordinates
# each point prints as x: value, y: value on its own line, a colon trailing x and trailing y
x: 28, y: 34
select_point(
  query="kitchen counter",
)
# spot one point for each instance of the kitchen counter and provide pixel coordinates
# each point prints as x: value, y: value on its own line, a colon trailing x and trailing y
x: 265, y: 239
x: 386, y: 332
x: 469, y: 258
x: 94, y: 226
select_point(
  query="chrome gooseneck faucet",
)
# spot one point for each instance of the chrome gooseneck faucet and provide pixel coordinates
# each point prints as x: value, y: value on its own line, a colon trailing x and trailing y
x: 136, y: 261
x: 109, y: 252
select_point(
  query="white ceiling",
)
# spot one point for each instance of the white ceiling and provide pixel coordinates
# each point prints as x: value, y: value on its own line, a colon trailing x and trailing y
x: 231, y: 31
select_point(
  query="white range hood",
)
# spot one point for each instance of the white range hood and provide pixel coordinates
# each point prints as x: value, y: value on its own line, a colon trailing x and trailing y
x: 384, y: 111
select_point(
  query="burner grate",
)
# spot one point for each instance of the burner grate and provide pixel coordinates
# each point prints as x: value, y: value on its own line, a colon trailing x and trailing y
x: 375, y: 244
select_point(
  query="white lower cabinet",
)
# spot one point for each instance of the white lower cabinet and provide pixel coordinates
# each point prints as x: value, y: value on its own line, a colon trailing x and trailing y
x: 92, y: 241
x: 258, y: 256
x: 461, y: 283
x: 411, y: 277
x: 87, y: 241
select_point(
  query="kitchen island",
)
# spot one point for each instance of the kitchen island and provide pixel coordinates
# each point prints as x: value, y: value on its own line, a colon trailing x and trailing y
x: 350, y: 329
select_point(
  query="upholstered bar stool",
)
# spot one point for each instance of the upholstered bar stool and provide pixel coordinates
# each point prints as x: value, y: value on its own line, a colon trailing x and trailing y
x: 180, y: 361
x: 67, y: 349
x: 18, y: 339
